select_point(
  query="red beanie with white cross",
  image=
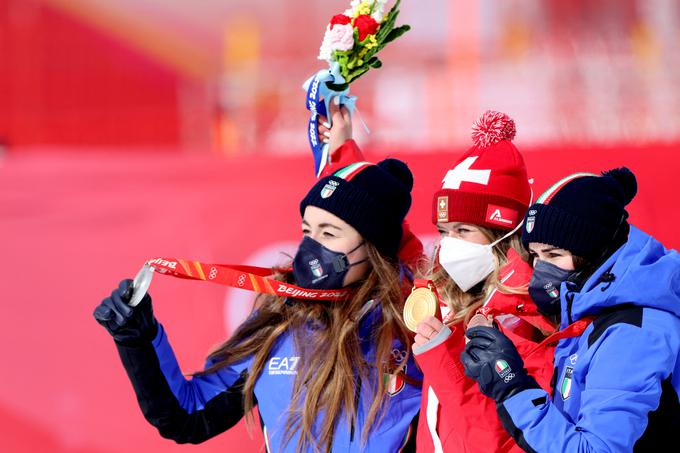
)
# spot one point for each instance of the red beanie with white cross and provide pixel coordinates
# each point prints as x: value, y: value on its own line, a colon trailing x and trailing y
x: 488, y: 186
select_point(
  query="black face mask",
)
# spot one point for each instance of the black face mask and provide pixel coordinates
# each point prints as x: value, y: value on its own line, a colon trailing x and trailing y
x: 317, y: 267
x: 544, y: 287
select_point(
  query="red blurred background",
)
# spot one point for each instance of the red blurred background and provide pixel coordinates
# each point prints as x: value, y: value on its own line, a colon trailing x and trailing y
x: 133, y: 129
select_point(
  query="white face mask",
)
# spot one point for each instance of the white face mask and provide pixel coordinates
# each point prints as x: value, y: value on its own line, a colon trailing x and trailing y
x: 468, y: 263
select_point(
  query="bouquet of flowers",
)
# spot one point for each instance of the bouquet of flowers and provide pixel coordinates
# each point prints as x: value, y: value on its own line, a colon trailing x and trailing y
x: 353, y: 39
x: 350, y: 47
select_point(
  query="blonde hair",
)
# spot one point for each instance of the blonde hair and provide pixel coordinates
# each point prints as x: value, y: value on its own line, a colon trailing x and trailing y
x: 331, y: 361
x: 464, y: 304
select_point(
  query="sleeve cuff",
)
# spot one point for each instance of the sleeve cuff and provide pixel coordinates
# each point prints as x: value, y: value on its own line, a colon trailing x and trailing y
x: 434, y: 341
x: 160, y: 333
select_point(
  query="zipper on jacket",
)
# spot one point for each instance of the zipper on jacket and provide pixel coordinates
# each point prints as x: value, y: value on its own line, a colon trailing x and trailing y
x: 570, y: 301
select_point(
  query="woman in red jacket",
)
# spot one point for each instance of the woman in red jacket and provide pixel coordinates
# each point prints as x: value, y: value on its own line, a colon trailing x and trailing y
x: 479, y: 268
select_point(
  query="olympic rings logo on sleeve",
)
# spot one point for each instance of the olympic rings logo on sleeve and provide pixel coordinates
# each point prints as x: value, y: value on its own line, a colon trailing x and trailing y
x: 399, y: 355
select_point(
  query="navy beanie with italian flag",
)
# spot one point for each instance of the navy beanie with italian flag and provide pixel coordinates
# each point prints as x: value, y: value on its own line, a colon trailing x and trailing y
x: 583, y: 213
x: 488, y: 185
x: 373, y: 198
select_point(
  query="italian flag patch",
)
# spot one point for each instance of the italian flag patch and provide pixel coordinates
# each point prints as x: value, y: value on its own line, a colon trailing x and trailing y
x: 502, y: 368
x: 565, y: 387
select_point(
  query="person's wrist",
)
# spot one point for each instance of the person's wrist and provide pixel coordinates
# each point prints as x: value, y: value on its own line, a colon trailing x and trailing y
x: 437, y: 339
x: 136, y: 336
x: 524, y: 383
x: 152, y: 331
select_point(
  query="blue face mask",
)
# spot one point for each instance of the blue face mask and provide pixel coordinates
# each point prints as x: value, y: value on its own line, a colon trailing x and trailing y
x: 317, y: 267
x: 544, y: 287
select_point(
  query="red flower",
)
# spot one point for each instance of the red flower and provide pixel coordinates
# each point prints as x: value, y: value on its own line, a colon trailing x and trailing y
x: 366, y: 25
x: 340, y: 19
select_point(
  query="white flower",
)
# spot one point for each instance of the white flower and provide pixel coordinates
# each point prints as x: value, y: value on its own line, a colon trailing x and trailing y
x: 352, y: 11
x: 325, y: 51
x: 355, y: 4
x: 379, y: 10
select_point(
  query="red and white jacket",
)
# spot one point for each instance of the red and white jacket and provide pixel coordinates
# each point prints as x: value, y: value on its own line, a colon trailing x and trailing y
x: 454, y: 415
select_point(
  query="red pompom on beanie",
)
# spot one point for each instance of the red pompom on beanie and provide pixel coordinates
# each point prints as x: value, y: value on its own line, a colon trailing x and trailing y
x: 488, y: 186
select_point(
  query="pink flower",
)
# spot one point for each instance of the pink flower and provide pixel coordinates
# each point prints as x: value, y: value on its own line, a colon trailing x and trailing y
x: 341, y: 37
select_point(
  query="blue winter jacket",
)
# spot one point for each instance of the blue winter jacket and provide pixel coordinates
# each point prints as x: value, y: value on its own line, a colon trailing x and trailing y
x: 615, y: 387
x: 194, y: 410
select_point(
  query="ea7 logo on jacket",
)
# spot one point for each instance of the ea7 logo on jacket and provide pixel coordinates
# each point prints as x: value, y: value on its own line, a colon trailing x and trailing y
x: 282, y: 365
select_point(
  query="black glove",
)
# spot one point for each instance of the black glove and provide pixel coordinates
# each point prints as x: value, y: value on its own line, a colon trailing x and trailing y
x: 492, y: 360
x: 127, y: 325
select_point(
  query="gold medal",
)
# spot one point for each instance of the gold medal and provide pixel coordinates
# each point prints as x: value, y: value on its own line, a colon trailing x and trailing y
x: 421, y: 303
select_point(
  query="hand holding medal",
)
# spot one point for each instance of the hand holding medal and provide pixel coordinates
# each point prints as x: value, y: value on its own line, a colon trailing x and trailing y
x: 139, y: 287
x: 421, y: 311
x: 479, y: 320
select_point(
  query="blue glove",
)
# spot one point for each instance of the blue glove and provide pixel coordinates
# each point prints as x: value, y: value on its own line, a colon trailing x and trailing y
x: 127, y: 325
x: 492, y: 360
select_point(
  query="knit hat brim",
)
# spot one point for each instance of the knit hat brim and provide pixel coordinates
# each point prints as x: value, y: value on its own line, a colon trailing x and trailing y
x: 358, y: 208
x: 583, y: 213
x: 487, y: 210
x: 551, y: 225
x: 373, y: 198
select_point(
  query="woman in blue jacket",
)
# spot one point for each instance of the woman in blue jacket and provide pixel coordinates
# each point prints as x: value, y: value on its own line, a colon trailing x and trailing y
x: 616, y: 292
x: 324, y: 375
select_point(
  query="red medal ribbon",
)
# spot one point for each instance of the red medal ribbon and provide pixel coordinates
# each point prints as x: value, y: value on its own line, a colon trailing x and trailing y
x: 425, y: 283
x: 429, y: 284
x: 572, y: 330
x: 244, y: 277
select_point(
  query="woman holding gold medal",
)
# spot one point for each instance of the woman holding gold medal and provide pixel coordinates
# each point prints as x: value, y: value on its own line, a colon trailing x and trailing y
x: 479, y: 276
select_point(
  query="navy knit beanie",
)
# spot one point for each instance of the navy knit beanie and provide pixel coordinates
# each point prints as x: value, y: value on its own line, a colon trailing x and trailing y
x: 372, y: 198
x: 583, y: 213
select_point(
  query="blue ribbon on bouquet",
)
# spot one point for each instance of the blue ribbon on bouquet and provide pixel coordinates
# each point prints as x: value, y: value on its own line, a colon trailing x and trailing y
x: 317, y: 89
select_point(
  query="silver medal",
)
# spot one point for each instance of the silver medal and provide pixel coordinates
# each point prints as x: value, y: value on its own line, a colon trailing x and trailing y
x: 140, y: 285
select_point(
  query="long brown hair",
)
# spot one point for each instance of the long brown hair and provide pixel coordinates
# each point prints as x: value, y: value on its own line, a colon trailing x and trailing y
x: 327, y: 338
x: 464, y: 304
